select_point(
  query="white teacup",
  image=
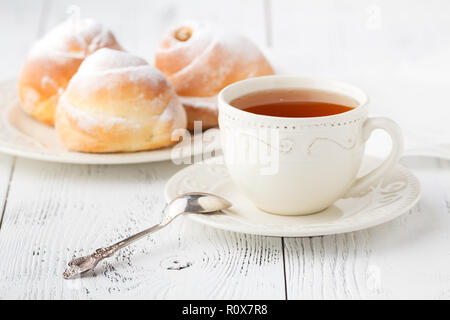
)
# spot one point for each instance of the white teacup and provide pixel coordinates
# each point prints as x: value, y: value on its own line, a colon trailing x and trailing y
x: 297, y: 166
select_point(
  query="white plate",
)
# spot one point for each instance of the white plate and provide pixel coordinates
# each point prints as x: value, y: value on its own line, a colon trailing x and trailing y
x: 22, y: 136
x: 394, y: 195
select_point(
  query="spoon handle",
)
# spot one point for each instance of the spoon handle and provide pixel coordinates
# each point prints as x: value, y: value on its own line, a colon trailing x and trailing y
x: 126, y: 242
x: 86, y: 263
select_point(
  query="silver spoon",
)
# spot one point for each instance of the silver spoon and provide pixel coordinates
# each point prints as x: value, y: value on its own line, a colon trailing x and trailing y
x: 195, y: 202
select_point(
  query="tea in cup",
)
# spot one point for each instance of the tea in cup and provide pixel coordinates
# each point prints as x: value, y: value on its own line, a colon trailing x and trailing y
x: 294, y: 145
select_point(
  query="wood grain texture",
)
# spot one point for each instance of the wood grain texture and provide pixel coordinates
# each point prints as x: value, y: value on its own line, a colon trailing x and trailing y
x: 326, y: 267
x: 394, y: 50
x: 6, y: 172
x: 401, y: 259
x: 19, y: 26
x: 409, y: 251
x: 56, y: 211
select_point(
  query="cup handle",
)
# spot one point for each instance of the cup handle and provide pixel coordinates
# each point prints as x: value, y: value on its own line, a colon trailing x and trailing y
x: 362, y: 184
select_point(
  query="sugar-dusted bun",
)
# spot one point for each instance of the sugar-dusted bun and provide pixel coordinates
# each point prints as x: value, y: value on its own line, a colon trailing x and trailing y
x: 54, y: 59
x: 117, y: 102
x: 200, y: 60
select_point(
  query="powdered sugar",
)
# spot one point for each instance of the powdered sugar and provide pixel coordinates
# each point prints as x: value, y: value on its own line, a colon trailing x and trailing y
x: 201, y: 37
x: 109, y: 59
x: 97, y: 70
x: 200, y: 102
x: 204, y: 38
x: 174, y: 111
x: 108, y: 69
x: 87, y: 121
x: 73, y: 39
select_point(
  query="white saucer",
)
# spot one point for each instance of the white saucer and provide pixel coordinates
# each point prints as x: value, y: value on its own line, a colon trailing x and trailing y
x: 394, y: 195
x: 22, y: 136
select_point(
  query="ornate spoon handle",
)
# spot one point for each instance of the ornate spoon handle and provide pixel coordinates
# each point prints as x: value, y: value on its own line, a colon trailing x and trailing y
x: 191, y: 202
x: 89, y: 262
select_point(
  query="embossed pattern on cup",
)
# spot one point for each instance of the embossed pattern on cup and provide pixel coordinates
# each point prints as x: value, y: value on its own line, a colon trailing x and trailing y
x: 294, y: 166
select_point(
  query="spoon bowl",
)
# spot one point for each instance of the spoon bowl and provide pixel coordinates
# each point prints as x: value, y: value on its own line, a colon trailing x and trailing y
x: 191, y: 203
x: 196, y: 202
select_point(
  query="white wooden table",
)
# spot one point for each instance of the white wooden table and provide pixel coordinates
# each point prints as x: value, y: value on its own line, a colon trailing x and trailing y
x: 50, y: 211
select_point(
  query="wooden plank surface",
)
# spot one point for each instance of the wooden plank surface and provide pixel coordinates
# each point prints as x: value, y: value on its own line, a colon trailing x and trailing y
x: 57, y: 211
x: 395, y: 51
x: 402, y: 259
x: 19, y: 27
x: 6, y: 172
x: 53, y: 212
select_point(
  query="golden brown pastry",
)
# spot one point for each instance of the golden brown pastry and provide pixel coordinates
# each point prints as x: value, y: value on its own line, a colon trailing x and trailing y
x: 117, y: 102
x: 53, y: 61
x: 200, y: 60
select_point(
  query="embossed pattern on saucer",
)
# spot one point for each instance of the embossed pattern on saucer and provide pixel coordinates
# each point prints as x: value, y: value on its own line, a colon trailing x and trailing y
x: 394, y: 195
